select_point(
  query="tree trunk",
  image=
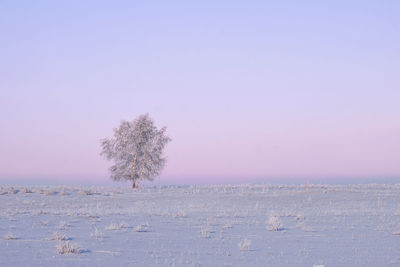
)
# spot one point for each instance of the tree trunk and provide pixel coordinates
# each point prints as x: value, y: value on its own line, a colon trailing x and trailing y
x: 134, y: 182
x: 134, y: 172
x: 135, y: 169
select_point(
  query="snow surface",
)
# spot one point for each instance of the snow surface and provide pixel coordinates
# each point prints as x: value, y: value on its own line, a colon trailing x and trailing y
x: 227, y: 225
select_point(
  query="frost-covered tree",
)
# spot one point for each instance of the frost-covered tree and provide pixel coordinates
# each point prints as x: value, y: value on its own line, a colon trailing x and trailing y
x: 136, y: 150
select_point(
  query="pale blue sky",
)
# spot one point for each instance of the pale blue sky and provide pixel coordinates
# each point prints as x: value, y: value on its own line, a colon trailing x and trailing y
x: 248, y: 90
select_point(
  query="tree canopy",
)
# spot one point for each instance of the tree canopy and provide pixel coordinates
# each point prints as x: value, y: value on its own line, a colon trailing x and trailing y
x: 136, y: 150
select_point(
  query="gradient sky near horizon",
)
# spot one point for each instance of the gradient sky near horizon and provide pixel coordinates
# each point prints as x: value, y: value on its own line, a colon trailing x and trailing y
x: 249, y: 90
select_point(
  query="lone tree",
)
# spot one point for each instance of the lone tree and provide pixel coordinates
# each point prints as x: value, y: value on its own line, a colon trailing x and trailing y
x: 136, y: 149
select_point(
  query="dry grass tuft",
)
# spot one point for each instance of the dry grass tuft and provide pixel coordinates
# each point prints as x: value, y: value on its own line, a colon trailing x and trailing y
x: 244, y: 245
x: 205, y: 232
x: 112, y: 226
x: 97, y: 234
x: 12, y: 191
x: 27, y: 191
x: 68, y: 248
x: 59, y: 237
x: 274, y: 223
x: 115, y: 226
x: 41, y: 191
x: 9, y: 236
x: 142, y: 228
x: 86, y: 192
x: 124, y: 225
x: 50, y: 192
x: 180, y: 214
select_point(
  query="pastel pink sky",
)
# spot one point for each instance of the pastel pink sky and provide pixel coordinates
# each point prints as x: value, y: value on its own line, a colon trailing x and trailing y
x: 254, y: 92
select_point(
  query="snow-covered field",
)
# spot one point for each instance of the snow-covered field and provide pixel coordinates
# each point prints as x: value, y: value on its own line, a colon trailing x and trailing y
x: 239, y: 225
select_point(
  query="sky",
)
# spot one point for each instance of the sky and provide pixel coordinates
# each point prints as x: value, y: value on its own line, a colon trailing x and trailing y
x: 249, y: 90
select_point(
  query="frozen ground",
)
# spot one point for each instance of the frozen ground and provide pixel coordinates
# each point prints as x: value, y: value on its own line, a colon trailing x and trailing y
x: 310, y: 225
